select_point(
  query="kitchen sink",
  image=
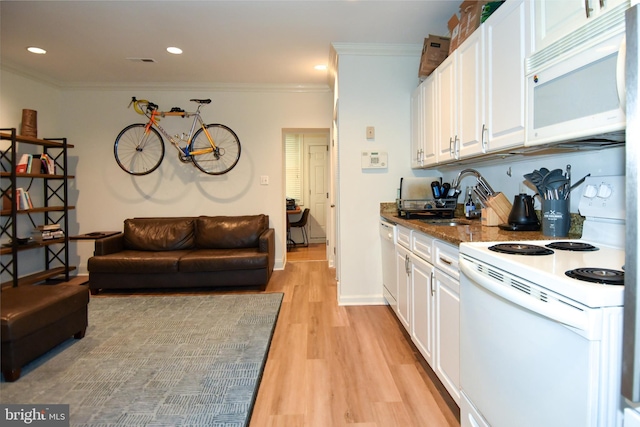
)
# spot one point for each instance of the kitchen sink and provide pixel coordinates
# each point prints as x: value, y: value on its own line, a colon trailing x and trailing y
x: 449, y: 222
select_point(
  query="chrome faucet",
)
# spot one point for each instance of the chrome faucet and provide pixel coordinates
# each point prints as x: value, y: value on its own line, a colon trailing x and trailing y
x: 486, y: 187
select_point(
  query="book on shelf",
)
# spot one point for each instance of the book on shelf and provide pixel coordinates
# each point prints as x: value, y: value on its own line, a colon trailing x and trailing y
x: 48, y: 165
x: 48, y: 227
x: 23, y: 200
x: 44, y: 235
x: 24, y: 164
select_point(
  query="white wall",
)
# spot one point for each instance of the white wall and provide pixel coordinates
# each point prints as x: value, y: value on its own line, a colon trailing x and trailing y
x: 375, y: 90
x: 104, y: 195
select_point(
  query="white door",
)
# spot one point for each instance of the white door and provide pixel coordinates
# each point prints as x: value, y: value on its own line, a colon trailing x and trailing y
x: 318, y: 191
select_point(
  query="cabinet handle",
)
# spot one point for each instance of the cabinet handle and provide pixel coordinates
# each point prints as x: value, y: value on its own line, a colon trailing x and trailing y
x: 406, y: 264
x: 451, y: 146
x: 456, y: 146
x: 446, y: 261
x: 484, y: 143
x: 587, y: 8
x: 433, y: 279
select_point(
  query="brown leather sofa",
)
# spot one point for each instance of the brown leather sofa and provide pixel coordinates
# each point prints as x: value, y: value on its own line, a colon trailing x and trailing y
x: 185, y: 252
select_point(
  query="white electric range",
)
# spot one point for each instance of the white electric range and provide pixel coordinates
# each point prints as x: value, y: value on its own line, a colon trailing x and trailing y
x: 540, y: 344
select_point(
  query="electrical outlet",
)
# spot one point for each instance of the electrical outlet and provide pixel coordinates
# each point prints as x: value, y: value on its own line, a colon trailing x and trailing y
x: 371, y: 132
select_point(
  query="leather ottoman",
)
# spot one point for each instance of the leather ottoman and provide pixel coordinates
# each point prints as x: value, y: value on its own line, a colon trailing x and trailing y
x: 36, y: 318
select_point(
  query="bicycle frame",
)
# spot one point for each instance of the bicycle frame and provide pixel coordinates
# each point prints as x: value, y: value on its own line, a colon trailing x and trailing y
x: 153, y: 121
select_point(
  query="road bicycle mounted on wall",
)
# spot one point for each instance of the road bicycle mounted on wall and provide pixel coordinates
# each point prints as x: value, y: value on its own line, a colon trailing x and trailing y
x: 139, y: 148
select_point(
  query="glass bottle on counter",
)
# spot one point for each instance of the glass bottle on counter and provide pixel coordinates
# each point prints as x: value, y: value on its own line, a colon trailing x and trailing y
x: 469, y: 207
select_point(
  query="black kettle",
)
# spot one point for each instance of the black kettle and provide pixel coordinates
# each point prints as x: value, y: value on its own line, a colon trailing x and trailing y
x: 522, y: 216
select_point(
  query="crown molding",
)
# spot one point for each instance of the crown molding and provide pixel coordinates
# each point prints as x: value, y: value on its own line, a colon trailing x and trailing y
x: 377, y: 49
x: 170, y: 86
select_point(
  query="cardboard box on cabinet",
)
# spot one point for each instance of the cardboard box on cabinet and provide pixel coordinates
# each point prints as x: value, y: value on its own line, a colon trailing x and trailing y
x: 434, y: 51
x: 470, y: 18
x: 454, y: 30
x: 472, y: 14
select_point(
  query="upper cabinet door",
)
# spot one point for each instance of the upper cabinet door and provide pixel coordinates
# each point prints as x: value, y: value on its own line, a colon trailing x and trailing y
x: 416, y: 128
x: 555, y: 19
x: 471, y: 104
x: 430, y: 121
x: 446, y: 96
x: 508, y: 43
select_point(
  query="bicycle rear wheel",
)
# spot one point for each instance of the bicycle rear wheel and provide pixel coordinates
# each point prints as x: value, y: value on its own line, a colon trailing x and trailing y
x: 223, y: 158
x: 138, y: 152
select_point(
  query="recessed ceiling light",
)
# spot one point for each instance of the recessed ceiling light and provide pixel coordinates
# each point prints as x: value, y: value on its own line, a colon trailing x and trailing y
x: 174, y: 50
x: 37, y: 50
x: 320, y: 67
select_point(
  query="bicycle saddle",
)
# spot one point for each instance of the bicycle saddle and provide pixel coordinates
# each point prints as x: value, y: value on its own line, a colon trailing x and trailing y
x: 202, y: 101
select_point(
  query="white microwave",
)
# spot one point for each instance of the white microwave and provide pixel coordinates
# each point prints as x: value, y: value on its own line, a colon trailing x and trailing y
x: 578, y: 96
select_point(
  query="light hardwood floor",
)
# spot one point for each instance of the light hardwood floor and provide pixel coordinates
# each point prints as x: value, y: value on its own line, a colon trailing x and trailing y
x: 331, y: 366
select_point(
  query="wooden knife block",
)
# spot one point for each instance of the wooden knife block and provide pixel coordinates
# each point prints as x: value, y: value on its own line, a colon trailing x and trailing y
x: 497, y: 211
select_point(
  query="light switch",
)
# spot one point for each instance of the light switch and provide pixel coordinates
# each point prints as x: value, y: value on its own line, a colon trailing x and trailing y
x: 264, y: 180
x: 371, y: 132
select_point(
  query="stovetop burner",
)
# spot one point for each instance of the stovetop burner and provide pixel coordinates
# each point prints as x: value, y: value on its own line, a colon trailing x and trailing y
x: 598, y: 275
x: 572, y: 246
x: 520, y: 249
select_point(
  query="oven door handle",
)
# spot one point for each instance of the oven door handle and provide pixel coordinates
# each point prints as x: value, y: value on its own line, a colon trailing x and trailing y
x: 551, y: 309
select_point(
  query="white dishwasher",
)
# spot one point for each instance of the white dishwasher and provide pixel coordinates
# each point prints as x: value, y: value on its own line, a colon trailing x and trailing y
x: 387, y: 245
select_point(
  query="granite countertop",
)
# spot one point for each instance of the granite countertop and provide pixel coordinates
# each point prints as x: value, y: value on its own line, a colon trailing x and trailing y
x: 471, y: 231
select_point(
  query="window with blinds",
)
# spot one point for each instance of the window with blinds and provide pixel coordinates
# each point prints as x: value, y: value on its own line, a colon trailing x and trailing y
x: 293, y: 167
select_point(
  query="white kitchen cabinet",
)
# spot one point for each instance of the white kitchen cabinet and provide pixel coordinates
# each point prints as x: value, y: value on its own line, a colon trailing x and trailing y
x: 422, y: 307
x: 508, y: 43
x: 429, y: 302
x: 481, y: 87
x: 447, y: 325
x: 555, y: 19
x: 417, y: 125
x: 446, y: 95
x: 447, y: 317
x: 403, y: 272
x: 430, y: 121
x: 423, y: 122
x: 470, y: 96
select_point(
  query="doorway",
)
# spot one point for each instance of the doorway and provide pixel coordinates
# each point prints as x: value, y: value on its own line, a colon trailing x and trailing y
x: 306, y: 178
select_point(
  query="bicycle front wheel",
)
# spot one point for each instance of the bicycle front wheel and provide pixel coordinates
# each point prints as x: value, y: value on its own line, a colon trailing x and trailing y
x: 218, y: 160
x: 137, y: 151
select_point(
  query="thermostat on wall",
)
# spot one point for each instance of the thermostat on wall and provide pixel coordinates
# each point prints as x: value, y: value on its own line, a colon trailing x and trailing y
x: 374, y: 159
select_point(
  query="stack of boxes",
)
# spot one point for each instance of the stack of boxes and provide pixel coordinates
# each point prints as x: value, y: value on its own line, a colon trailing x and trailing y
x: 436, y: 48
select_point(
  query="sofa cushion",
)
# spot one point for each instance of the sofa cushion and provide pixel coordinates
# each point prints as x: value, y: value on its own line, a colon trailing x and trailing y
x: 227, y: 232
x: 203, y: 260
x: 130, y: 261
x: 159, y: 234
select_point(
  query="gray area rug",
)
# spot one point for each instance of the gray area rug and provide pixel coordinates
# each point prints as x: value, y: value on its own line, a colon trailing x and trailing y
x: 158, y: 361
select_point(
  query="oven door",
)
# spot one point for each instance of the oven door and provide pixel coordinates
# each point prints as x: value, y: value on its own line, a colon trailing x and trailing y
x: 528, y: 357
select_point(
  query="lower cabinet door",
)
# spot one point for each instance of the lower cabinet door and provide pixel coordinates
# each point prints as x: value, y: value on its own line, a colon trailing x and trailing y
x: 404, y: 285
x: 423, y: 297
x: 448, y: 333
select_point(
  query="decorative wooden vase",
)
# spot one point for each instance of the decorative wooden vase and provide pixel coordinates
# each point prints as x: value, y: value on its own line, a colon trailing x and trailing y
x: 29, y: 123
